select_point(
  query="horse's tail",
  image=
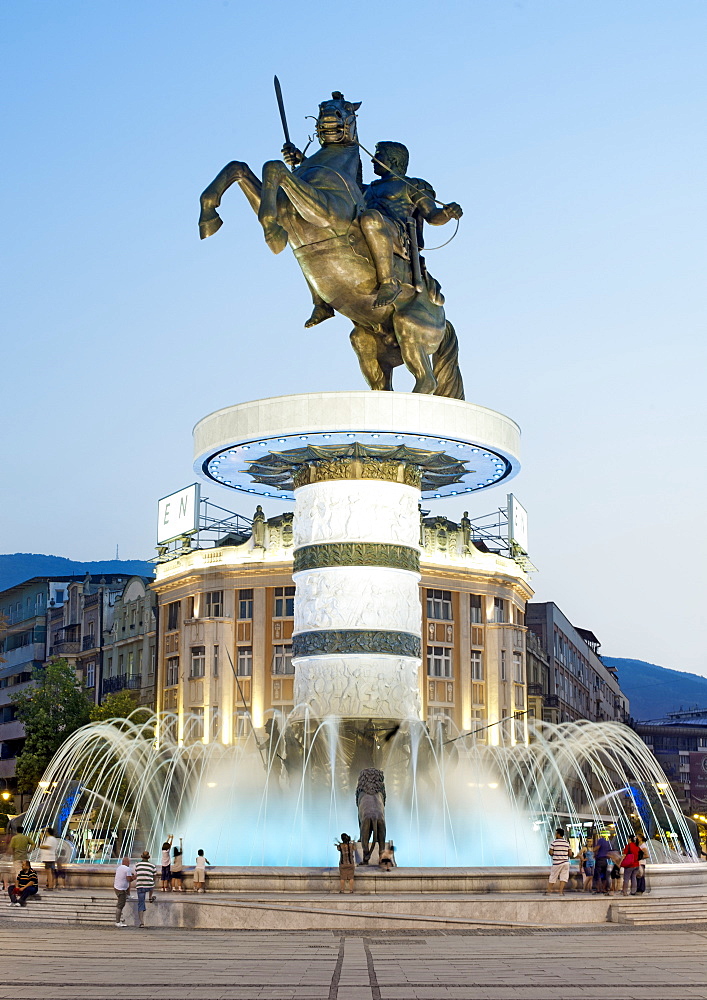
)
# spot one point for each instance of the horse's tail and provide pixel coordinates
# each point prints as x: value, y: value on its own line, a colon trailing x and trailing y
x: 445, y: 366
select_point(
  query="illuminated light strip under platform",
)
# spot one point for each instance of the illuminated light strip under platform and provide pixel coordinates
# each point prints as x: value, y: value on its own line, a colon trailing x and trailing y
x: 229, y: 442
x: 357, y: 641
x: 331, y: 554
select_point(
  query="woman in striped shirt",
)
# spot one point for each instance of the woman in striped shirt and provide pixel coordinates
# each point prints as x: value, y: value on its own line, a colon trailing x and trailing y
x: 144, y: 883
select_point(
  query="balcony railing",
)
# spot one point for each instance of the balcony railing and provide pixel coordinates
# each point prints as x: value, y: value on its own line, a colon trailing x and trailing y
x: 121, y: 683
x: 535, y: 690
x: 66, y: 646
x: 89, y: 642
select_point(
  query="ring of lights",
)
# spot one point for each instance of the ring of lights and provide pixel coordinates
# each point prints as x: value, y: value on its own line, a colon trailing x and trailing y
x: 229, y: 441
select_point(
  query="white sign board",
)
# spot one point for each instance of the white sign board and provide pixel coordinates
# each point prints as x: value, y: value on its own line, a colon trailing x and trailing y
x: 517, y: 524
x: 178, y: 514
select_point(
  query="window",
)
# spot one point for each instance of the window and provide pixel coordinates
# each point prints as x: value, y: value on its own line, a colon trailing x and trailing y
x: 215, y: 661
x: 282, y: 657
x: 153, y: 658
x: 244, y: 660
x: 195, y: 724
x: 476, y: 609
x: 243, y: 725
x: 90, y: 675
x: 191, y: 607
x: 499, y: 609
x: 198, y: 661
x: 110, y: 666
x: 172, y: 671
x: 284, y: 602
x: 131, y: 664
x: 518, y: 696
x: 477, y: 666
x: 214, y: 604
x: 245, y: 604
x: 173, y: 616
x: 517, y: 668
x: 439, y: 661
x: 121, y: 665
x: 503, y: 665
x: 59, y: 597
x: 439, y: 605
x: 215, y: 719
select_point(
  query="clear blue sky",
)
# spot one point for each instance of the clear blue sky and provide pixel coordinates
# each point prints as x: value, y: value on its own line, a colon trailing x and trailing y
x: 573, y: 134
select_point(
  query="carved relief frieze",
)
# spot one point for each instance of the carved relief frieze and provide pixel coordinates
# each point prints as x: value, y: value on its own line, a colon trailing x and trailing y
x: 356, y: 554
x: 359, y: 641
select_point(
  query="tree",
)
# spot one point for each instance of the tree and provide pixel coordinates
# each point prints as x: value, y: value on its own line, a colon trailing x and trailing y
x: 119, y: 705
x: 53, y: 708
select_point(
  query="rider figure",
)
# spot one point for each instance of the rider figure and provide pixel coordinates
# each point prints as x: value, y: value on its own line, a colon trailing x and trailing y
x: 389, y: 202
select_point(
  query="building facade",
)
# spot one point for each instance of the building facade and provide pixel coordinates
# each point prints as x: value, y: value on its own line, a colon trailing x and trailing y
x: 23, y: 647
x: 226, y: 617
x: 579, y: 684
x: 679, y: 743
x: 107, y: 629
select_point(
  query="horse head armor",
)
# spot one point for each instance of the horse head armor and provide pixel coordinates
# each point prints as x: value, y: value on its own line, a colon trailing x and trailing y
x: 336, y: 122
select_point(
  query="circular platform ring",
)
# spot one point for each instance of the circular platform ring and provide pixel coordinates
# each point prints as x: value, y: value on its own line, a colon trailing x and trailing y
x: 481, y: 445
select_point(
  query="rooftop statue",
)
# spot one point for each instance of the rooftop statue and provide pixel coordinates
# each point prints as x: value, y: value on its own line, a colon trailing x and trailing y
x: 358, y: 245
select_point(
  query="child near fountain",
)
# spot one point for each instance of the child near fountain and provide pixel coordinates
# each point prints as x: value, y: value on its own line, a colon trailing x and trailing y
x: 200, y: 871
x: 178, y: 868
x: 346, y: 862
x: 165, y: 863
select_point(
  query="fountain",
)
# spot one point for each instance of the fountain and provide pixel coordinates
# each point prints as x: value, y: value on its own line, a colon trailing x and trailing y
x: 356, y: 465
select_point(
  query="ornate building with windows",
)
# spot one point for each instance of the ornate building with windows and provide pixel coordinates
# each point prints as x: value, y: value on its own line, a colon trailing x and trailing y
x: 226, y: 618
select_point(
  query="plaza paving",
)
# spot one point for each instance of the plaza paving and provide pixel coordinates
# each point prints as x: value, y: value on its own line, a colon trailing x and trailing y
x: 62, y: 963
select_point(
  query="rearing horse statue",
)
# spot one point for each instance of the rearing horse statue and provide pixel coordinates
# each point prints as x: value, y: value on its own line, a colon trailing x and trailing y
x: 316, y: 208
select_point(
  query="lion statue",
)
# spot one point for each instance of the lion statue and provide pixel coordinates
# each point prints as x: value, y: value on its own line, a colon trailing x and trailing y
x: 370, y: 799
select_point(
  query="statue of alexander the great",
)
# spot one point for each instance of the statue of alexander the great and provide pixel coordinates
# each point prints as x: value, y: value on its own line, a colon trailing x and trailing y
x: 358, y: 246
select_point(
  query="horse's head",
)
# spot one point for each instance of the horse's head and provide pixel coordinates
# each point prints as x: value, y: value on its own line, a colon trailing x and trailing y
x: 336, y: 122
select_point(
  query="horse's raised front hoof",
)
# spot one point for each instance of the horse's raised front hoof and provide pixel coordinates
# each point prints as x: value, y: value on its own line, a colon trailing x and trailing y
x: 275, y: 236
x: 320, y: 312
x: 209, y: 223
x: 387, y: 294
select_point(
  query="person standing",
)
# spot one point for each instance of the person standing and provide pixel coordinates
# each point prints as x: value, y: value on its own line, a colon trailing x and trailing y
x: 602, y: 850
x: 630, y: 863
x: 5, y: 862
x: 47, y: 855
x: 124, y: 875
x: 347, y: 861
x: 560, y: 852
x: 587, y: 863
x: 644, y: 856
x: 178, y: 867
x: 20, y: 846
x: 200, y: 871
x: 26, y: 884
x: 165, y: 865
x: 145, y: 873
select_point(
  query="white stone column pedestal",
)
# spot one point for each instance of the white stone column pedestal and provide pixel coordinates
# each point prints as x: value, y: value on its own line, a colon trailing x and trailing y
x: 357, y: 633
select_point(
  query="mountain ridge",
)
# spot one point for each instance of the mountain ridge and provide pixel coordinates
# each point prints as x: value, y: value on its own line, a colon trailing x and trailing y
x: 17, y: 567
x: 653, y: 691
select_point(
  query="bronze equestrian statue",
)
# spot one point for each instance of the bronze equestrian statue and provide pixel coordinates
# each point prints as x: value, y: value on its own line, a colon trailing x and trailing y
x: 370, y: 799
x: 358, y: 247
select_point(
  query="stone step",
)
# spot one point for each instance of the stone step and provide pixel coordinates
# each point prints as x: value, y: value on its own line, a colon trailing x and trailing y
x: 660, y: 911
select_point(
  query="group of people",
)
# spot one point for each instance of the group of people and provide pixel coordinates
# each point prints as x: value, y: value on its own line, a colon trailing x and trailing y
x: 601, y: 865
x: 143, y: 874
x: 347, y: 861
x: 19, y: 879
